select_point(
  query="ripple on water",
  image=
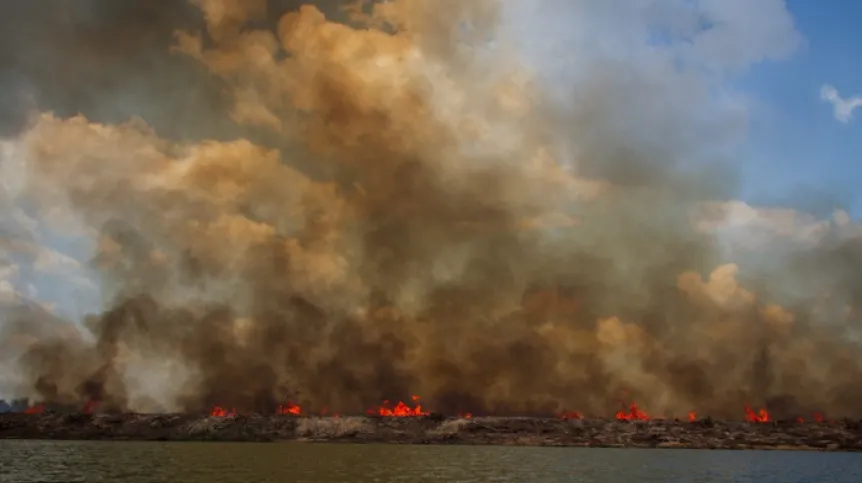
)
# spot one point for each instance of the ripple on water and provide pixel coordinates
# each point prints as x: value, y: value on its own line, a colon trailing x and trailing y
x: 138, y: 462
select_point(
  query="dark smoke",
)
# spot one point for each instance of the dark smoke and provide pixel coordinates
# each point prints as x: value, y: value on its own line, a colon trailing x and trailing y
x: 439, y: 248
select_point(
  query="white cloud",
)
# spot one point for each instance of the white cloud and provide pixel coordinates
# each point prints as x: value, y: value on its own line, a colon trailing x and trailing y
x: 656, y: 69
x: 9, y: 293
x: 844, y: 107
x: 743, y: 226
x: 51, y: 261
x: 33, y: 267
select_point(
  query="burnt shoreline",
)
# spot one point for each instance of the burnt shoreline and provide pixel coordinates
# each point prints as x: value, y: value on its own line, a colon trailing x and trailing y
x: 842, y: 435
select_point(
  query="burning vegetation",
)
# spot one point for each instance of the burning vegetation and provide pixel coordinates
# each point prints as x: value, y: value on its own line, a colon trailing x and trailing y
x: 412, y: 423
x: 435, y: 224
x: 402, y: 410
x: 409, y: 427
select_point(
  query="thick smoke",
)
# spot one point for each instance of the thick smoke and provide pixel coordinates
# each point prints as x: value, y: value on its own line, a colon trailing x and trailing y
x: 438, y: 223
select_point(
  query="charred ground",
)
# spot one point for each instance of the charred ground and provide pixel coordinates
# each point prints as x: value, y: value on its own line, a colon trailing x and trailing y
x: 436, y: 429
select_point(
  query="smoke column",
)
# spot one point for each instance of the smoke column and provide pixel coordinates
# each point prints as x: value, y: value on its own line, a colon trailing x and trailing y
x: 422, y: 211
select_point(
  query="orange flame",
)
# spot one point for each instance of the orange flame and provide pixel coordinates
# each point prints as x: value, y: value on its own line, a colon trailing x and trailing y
x: 761, y: 416
x: 633, y: 414
x: 221, y: 412
x: 817, y: 417
x: 37, y: 409
x: 465, y: 415
x: 692, y: 416
x: 400, y: 409
x: 288, y: 408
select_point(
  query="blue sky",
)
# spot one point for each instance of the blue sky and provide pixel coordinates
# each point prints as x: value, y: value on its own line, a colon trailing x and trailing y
x: 797, y: 148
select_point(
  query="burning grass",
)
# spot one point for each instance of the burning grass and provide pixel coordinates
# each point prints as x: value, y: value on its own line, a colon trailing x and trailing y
x: 637, y: 432
x: 629, y: 412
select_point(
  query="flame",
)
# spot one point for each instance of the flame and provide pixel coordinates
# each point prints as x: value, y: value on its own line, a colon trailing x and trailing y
x: 692, y: 416
x: 290, y: 408
x: 465, y: 415
x: 633, y: 414
x: 90, y: 407
x: 37, y: 409
x: 817, y: 417
x: 566, y: 415
x: 400, y: 409
x: 220, y: 412
x: 761, y: 416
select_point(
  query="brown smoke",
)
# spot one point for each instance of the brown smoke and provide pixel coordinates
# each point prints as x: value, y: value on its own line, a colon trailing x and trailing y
x: 439, y: 249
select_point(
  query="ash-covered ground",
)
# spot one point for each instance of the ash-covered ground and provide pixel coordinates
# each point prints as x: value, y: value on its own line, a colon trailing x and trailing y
x: 845, y: 435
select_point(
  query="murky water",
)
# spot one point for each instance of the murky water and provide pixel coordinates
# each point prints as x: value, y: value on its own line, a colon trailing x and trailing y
x: 57, y: 461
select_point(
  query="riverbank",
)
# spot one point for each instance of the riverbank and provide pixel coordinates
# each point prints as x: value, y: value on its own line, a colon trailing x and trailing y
x: 704, y: 434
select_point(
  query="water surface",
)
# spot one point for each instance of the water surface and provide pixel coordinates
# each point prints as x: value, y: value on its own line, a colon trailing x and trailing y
x: 139, y: 462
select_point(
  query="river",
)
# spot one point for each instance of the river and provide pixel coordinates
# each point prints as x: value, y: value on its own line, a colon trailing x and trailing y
x: 134, y: 462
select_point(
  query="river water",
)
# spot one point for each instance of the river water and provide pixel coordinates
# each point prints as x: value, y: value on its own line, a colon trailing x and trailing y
x: 66, y: 462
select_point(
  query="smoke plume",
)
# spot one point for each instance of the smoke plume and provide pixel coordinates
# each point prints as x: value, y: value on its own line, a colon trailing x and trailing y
x: 436, y: 220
